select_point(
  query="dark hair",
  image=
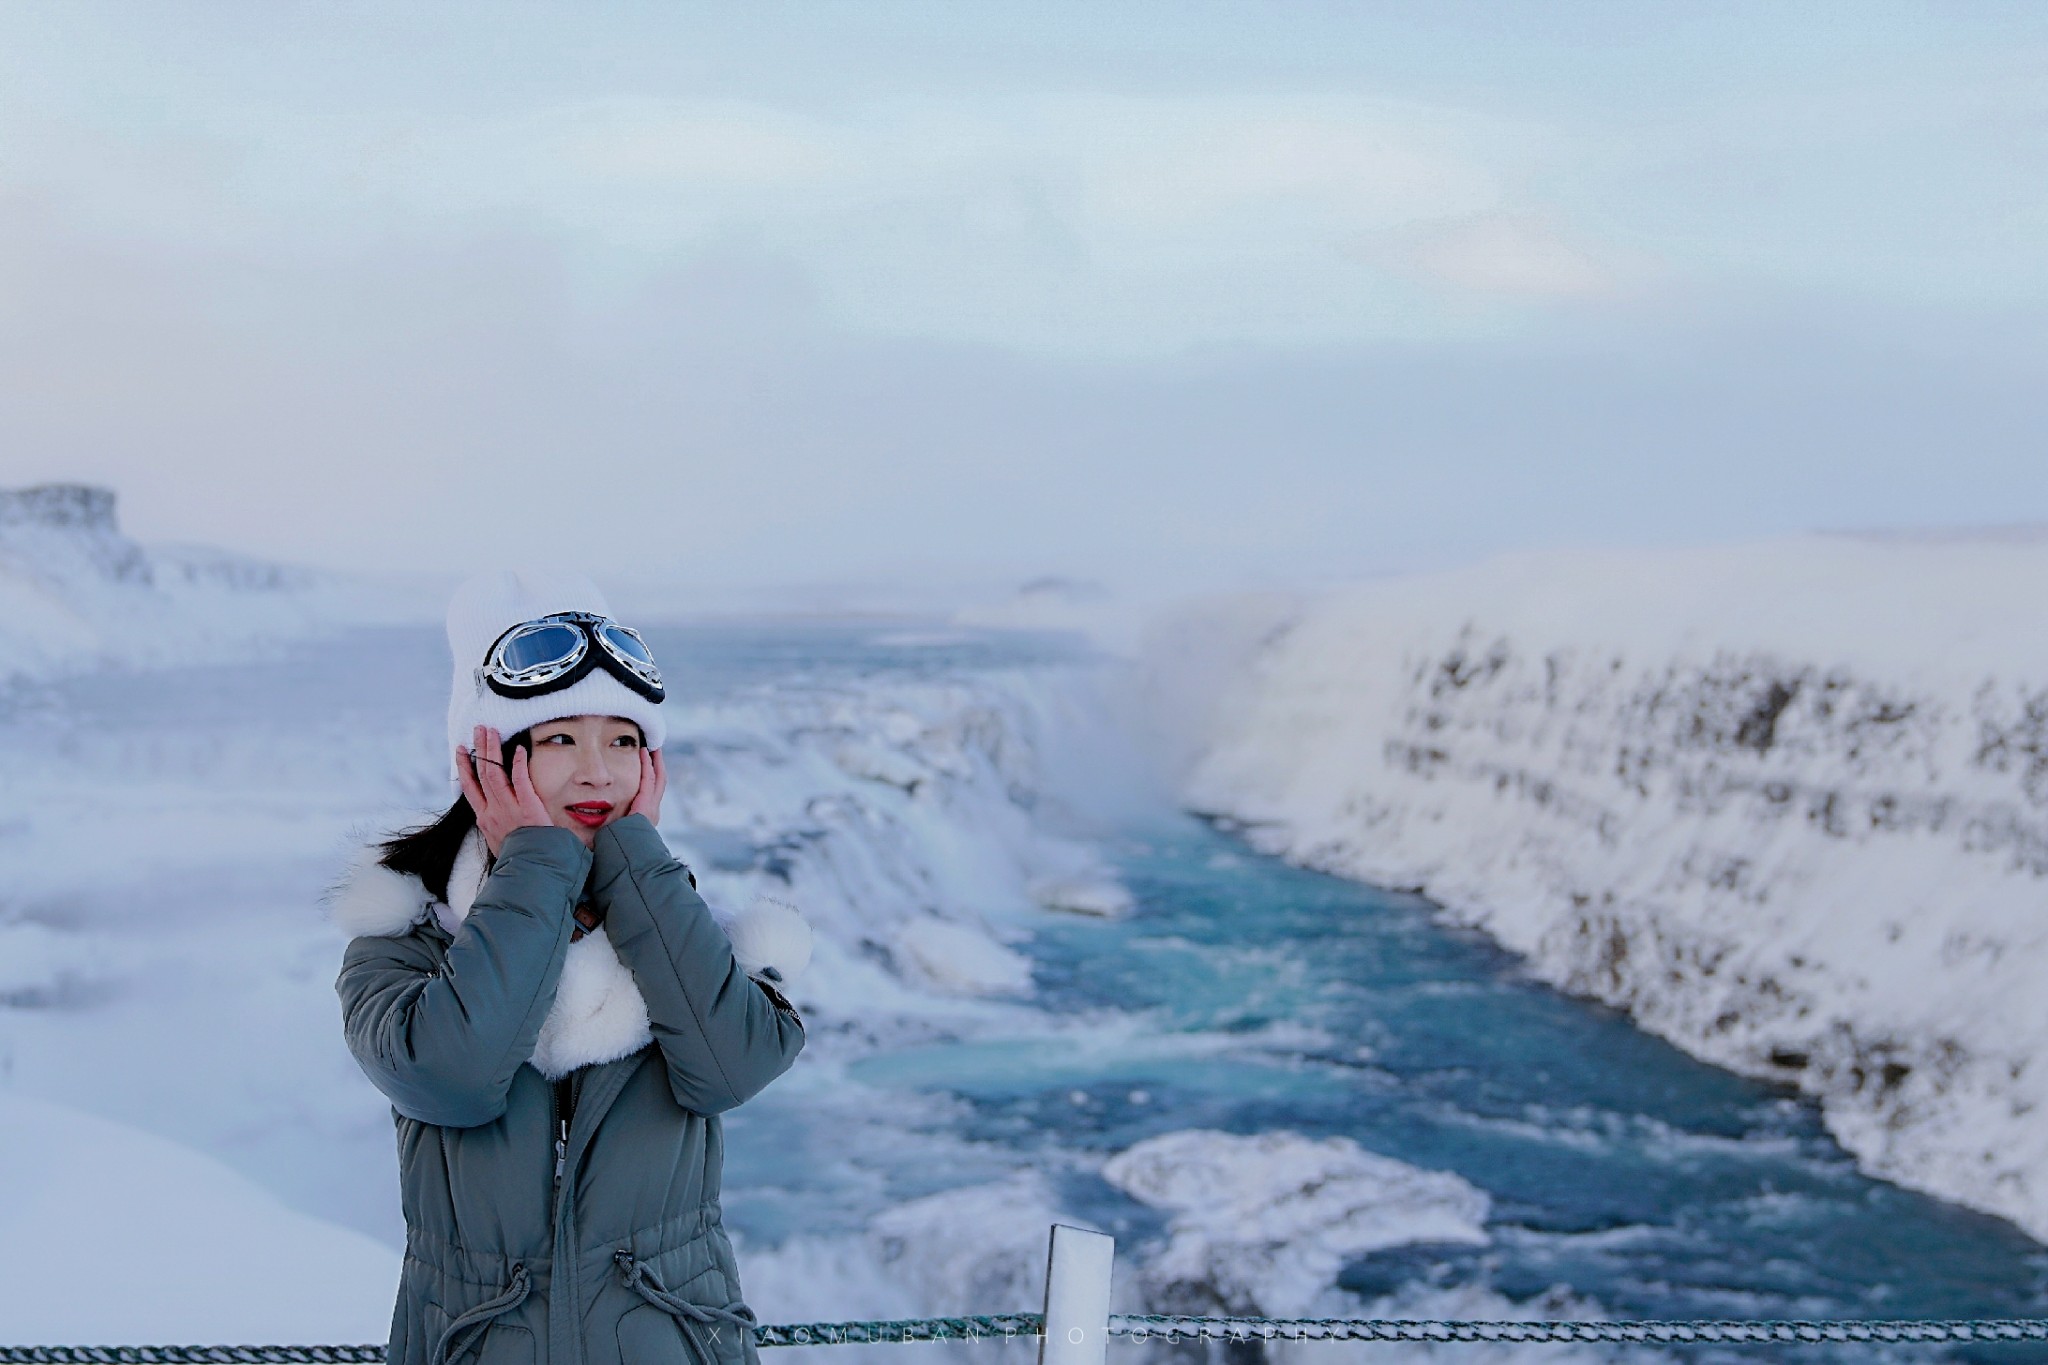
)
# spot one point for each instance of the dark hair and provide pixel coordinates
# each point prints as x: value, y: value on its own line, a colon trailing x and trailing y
x: 429, y: 851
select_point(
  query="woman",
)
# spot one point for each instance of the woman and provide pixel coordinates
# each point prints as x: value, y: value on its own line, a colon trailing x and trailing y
x: 555, y: 1015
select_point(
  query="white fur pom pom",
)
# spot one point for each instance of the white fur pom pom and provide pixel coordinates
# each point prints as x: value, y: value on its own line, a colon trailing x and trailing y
x: 770, y: 940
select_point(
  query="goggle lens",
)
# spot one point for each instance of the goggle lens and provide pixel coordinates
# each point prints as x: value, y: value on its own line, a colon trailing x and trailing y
x: 540, y: 646
x: 628, y: 644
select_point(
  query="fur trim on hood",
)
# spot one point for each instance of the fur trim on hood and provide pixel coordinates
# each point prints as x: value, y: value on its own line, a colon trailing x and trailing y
x: 598, y: 1014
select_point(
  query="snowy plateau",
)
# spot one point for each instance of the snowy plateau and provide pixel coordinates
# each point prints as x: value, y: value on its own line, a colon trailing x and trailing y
x: 1784, y: 803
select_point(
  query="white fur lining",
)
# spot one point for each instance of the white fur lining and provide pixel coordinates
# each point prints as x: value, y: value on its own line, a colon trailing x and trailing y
x: 372, y: 900
x: 599, y: 1014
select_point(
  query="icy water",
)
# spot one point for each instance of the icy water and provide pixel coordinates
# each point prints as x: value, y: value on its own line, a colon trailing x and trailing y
x: 1618, y: 1166
x: 1240, y: 995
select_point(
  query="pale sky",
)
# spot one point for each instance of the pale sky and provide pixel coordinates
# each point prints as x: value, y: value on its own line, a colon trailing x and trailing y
x: 1167, y: 292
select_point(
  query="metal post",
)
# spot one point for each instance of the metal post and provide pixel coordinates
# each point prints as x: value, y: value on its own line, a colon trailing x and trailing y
x: 1077, y: 1264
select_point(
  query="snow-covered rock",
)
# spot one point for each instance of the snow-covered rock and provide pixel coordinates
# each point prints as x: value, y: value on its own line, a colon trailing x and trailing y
x: 1785, y: 803
x: 1262, y: 1224
x: 1100, y: 895
x: 961, y: 959
x: 979, y: 1248
x: 77, y: 593
x: 973, y: 1250
x: 1259, y: 1224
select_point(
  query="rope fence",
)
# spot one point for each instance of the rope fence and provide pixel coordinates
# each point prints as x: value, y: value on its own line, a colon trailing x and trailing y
x: 1149, y: 1327
x: 1077, y: 1309
x: 1648, y: 1333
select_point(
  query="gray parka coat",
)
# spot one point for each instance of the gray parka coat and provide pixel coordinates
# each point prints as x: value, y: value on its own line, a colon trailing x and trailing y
x: 609, y: 1248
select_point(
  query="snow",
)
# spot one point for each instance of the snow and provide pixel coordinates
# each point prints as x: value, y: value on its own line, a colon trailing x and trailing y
x: 1262, y: 1224
x: 1786, y: 803
x: 76, y: 593
x: 917, y: 858
x: 165, y: 968
x: 962, y: 959
x: 122, y: 1237
x: 1259, y: 1224
x: 977, y: 1244
x: 168, y: 979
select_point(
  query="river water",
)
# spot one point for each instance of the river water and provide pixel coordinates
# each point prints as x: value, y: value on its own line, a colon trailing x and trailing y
x: 1240, y: 995
x: 1617, y: 1165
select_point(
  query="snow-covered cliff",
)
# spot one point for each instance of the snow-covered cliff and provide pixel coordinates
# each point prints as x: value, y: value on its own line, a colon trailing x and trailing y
x: 1787, y: 804
x: 75, y: 592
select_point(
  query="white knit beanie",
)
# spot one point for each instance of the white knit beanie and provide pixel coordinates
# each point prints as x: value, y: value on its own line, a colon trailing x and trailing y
x: 490, y: 604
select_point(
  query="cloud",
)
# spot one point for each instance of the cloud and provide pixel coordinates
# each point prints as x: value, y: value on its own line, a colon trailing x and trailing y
x: 1500, y: 255
x: 440, y: 404
x: 1228, y: 165
x: 711, y: 146
x: 1190, y: 315
x: 1067, y: 223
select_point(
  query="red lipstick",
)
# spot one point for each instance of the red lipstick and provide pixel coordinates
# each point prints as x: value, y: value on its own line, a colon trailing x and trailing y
x: 589, y: 814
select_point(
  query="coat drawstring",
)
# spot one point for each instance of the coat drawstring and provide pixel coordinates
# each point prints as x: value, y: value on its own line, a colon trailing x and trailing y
x: 640, y: 1278
x: 464, y: 1331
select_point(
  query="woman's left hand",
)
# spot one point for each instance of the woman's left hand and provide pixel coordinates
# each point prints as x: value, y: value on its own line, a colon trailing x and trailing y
x: 653, y: 785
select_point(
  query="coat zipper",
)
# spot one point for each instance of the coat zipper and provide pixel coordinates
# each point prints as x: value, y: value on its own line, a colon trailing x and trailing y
x: 564, y: 1106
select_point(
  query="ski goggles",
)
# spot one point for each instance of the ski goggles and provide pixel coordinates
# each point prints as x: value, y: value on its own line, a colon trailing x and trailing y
x: 553, y: 652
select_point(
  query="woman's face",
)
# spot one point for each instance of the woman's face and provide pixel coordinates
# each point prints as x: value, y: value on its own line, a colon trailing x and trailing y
x: 586, y: 770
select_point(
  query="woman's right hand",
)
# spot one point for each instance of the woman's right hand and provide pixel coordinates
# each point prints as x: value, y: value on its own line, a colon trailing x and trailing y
x: 503, y: 801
